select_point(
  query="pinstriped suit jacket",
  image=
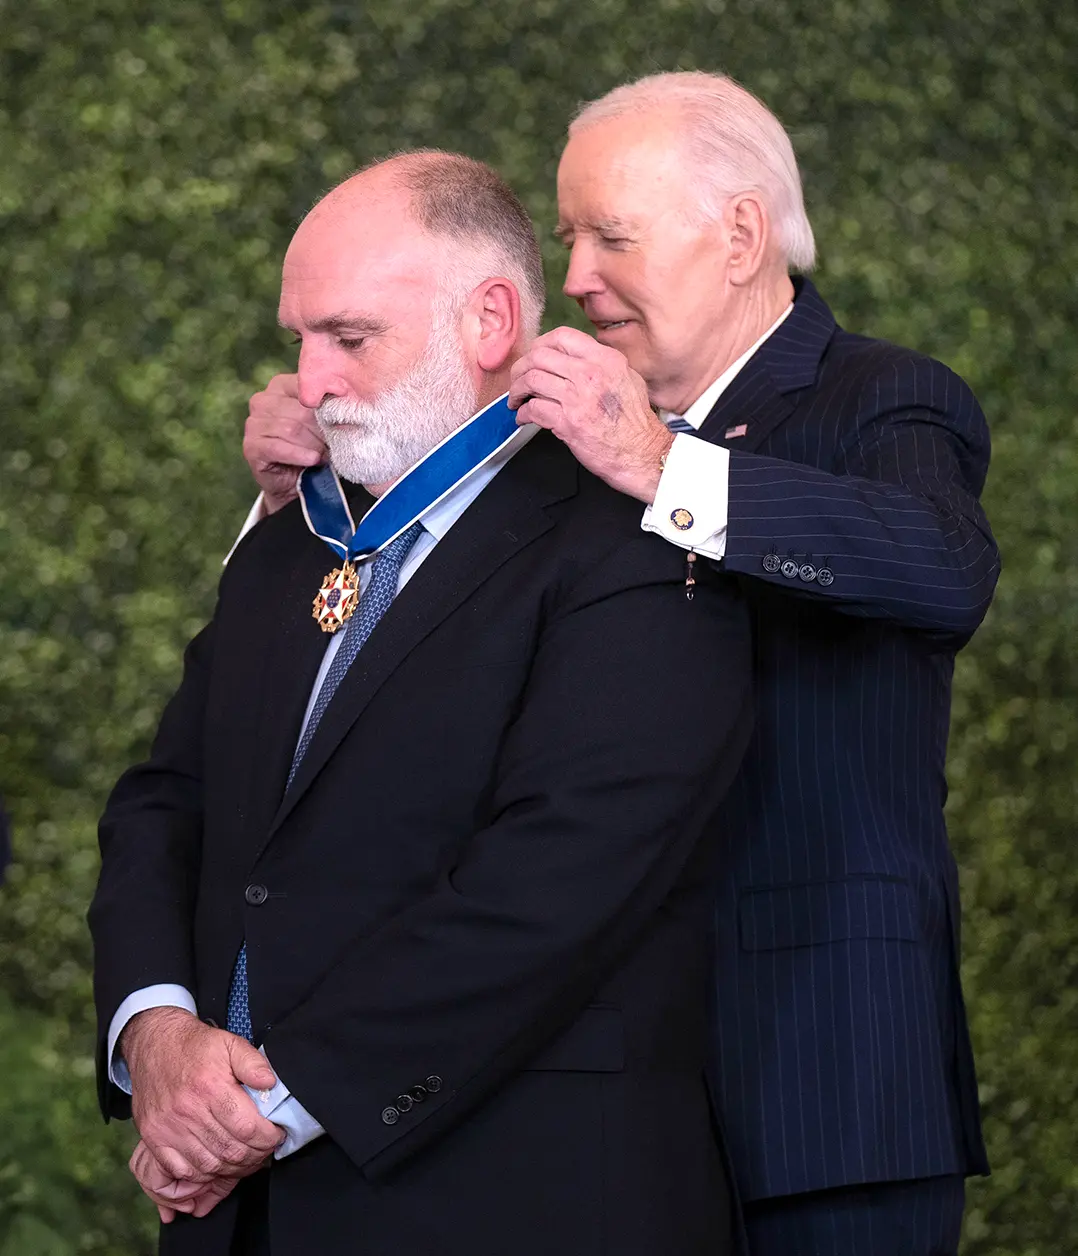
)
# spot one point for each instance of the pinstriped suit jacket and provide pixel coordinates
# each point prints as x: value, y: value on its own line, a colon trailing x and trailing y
x: 841, y: 1047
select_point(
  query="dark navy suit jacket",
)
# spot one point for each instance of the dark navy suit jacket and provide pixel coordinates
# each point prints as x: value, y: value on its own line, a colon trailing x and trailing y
x: 842, y: 1051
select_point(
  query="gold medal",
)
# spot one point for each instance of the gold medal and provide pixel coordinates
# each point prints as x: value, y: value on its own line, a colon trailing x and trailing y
x: 337, y: 598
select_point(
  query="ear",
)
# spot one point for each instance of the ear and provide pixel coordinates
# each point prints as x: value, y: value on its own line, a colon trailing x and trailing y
x: 749, y: 234
x: 492, y: 327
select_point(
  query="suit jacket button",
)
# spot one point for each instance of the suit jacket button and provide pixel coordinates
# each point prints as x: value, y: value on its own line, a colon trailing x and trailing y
x: 256, y: 895
x: 771, y: 563
x: 807, y: 573
x: 404, y: 1103
x: 789, y: 569
x: 433, y: 1083
x: 418, y: 1093
x: 825, y: 576
x: 390, y: 1115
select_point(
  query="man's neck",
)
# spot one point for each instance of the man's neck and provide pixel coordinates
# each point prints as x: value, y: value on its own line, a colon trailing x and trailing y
x: 756, y: 310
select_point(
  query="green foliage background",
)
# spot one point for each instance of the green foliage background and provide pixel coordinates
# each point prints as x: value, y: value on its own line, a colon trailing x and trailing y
x: 153, y: 162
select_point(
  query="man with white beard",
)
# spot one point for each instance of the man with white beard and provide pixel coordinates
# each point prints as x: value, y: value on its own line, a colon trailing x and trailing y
x: 401, y: 930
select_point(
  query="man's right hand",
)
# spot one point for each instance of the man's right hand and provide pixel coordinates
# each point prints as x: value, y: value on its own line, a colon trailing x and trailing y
x: 280, y: 439
x: 187, y: 1095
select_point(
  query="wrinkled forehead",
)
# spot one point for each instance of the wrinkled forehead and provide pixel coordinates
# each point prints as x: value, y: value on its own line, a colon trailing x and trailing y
x: 337, y: 260
x: 629, y: 165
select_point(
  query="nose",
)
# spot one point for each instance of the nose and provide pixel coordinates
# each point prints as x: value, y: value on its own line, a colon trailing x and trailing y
x: 318, y: 377
x: 582, y: 279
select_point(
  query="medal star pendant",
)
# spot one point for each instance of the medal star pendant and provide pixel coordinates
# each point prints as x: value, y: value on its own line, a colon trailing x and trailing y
x: 337, y: 598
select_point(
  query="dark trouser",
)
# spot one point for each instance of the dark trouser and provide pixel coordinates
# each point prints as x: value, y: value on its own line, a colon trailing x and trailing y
x: 251, y: 1237
x: 921, y: 1218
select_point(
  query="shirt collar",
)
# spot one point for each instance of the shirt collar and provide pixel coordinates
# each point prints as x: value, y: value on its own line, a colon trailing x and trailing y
x: 705, y: 403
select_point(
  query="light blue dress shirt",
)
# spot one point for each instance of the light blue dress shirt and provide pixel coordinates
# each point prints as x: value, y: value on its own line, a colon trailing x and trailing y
x: 278, y: 1104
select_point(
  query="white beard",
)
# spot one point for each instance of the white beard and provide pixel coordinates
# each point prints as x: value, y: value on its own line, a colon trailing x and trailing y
x: 377, y: 441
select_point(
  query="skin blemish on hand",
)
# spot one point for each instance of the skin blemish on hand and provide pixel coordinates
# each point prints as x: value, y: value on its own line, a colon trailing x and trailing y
x: 610, y: 404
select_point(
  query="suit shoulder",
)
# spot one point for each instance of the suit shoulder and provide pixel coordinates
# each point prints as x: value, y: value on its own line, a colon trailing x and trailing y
x: 273, y: 541
x: 887, y: 376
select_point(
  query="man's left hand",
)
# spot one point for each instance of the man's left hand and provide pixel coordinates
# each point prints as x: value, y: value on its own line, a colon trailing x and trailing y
x: 173, y: 1195
x: 589, y: 397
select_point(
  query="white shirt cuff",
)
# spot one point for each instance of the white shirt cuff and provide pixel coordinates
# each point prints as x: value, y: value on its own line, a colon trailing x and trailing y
x: 281, y: 1107
x: 162, y: 995
x: 691, y: 506
x: 255, y: 515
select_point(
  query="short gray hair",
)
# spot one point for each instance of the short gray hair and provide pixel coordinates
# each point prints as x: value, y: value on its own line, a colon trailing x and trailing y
x: 736, y: 144
x: 469, y: 203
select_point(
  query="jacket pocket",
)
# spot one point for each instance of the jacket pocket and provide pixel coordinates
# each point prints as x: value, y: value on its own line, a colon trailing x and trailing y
x: 593, y: 1043
x: 775, y: 918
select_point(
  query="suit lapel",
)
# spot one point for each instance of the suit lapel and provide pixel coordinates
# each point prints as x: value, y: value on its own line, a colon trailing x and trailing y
x: 765, y: 391
x: 290, y: 663
x: 508, y: 515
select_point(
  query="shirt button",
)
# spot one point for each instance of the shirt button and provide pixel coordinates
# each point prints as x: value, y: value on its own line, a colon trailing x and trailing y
x: 256, y: 895
x: 404, y: 1103
x: 433, y: 1083
x: 418, y: 1093
x: 807, y: 573
x: 771, y: 563
x: 789, y: 569
x: 825, y: 576
x: 390, y: 1116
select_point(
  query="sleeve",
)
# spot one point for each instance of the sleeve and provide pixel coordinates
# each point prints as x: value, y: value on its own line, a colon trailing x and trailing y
x: 630, y: 729
x: 150, y: 837
x: 162, y: 995
x: 895, y: 531
x: 690, y: 506
x: 282, y: 1107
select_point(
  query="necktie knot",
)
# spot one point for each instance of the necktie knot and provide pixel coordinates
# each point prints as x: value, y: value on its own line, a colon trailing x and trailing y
x: 675, y: 423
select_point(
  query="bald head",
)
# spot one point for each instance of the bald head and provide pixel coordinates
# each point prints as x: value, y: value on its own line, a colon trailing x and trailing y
x: 451, y: 199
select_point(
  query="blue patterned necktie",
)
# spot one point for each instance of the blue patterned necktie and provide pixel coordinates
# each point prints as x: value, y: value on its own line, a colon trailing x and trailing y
x: 677, y: 424
x: 377, y: 596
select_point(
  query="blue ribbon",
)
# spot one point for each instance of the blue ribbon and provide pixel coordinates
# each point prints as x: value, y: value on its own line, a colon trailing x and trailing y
x: 462, y: 452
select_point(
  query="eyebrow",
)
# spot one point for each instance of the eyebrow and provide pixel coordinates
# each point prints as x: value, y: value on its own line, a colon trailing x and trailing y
x: 361, y: 323
x: 612, y: 226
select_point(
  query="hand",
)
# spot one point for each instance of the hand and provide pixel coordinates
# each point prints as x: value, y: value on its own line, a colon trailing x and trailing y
x: 171, y: 1195
x: 187, y: 1098
x: 281, y: 437
x: 589, y: 397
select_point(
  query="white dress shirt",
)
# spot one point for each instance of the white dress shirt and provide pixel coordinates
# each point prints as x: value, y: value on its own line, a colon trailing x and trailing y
x: 279, y: 1104
x: 696, y: 477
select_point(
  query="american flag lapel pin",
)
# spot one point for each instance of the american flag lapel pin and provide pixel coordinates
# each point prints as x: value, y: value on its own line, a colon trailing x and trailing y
x: 739, y: 430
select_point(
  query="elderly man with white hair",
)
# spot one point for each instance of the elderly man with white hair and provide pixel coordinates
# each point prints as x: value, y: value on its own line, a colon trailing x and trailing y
x: 839, y: 476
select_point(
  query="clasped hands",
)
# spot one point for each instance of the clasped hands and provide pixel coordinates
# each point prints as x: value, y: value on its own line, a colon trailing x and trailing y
x: 200, y: 1132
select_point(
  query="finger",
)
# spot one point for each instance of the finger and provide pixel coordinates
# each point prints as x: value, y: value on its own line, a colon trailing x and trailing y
x: 211, y: 1197
x: 241, y: 1121
x: 166, y: 1214
x: 569, y: 340
x: 539, y: 384
x: 175, y: 1162
x: 547, y: 357
x: 544, y: 413
x: 269, y: 452
x: 249, y: 1065
x: 296, y: 425
x: 285, y: 384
